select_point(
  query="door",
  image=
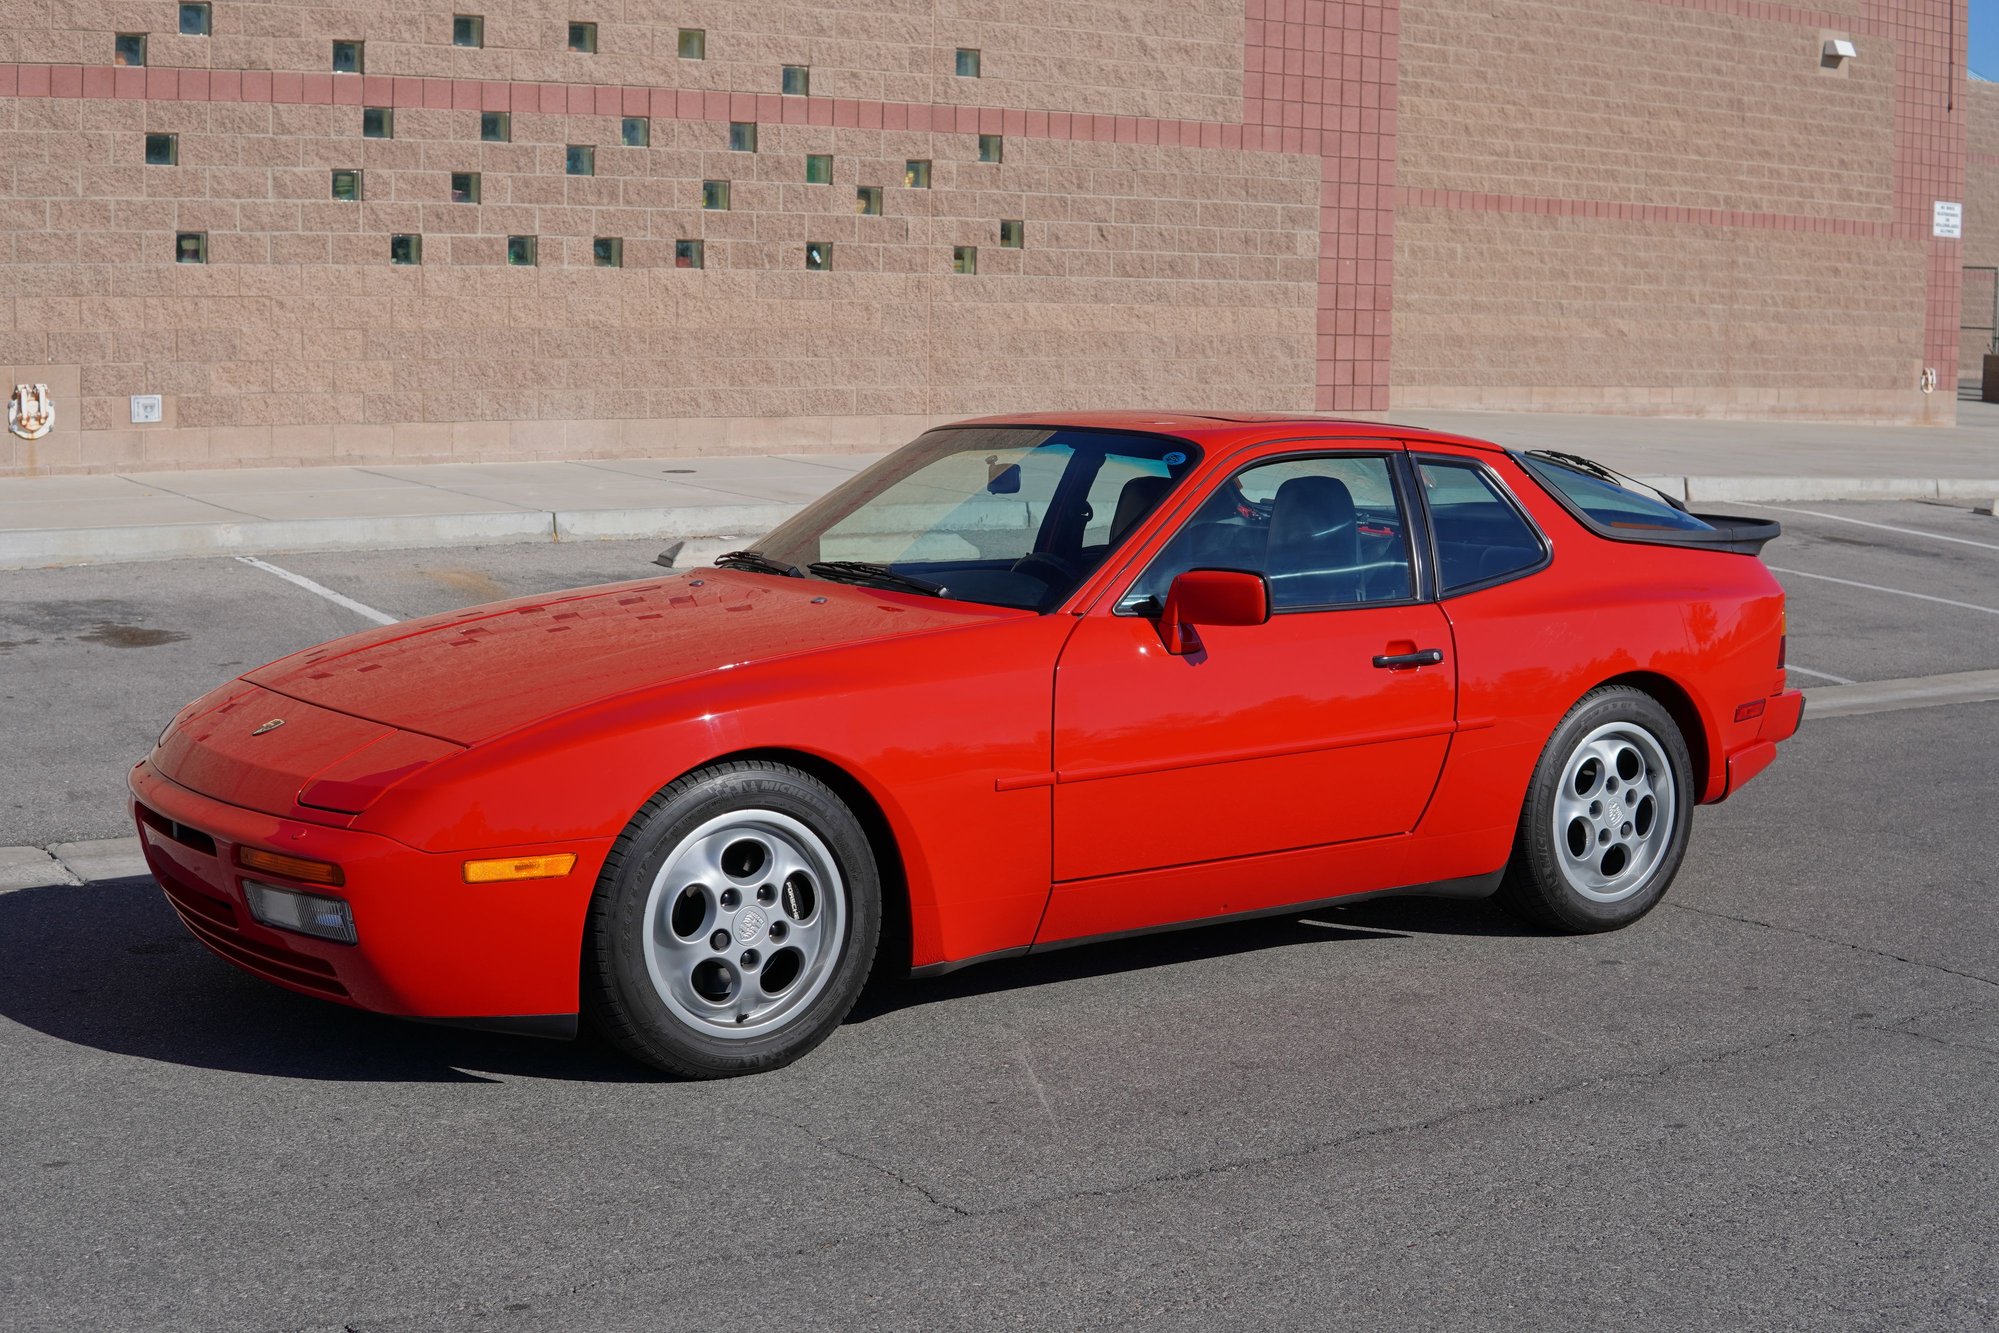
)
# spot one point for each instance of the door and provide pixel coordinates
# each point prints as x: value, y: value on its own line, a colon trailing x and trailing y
x: 1325, y: 725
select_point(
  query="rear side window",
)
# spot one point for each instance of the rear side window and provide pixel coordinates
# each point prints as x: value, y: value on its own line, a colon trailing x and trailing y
x: 1481, y: 537
x: 1613, y: 501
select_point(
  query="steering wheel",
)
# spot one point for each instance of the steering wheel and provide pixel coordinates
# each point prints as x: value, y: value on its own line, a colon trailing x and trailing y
x: 1050, y: 569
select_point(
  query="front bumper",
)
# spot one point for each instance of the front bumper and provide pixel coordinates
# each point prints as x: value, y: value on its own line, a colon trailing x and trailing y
x: 430, y: 945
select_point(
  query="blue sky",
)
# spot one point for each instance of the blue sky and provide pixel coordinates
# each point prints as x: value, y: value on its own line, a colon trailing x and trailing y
x: 1984, y: 33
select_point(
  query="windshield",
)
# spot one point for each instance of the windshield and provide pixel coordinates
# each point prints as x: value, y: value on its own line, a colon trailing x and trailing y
x: 1006, y: 515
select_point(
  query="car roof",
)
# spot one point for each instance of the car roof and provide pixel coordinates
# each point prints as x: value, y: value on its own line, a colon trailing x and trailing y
x: 1228, y: 427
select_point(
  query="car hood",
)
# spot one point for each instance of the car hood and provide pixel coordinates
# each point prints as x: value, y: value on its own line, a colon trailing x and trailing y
x: 476, y: 673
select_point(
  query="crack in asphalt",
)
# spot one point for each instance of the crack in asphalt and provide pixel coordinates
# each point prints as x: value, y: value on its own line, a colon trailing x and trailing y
x: 1230, y: 1166
x: 1828, y: 939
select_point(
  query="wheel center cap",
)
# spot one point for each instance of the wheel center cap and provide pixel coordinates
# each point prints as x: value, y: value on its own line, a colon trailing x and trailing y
x: 749, y: 925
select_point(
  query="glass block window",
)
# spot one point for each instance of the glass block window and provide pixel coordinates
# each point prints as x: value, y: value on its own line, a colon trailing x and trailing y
x: 715, y: 195
x: 916, y: 173
x: 464, y: 187
x: 608, y: 252
x: 521, y: 251
x: 991, y: 148
x: 693, y: 43
x: 583, y: 38
x: 196, y: 20
x: 162, y: 150
x: 378, y: 122
x: 819, y: 255
x: 496, y: 127
x: 635, y: 132
x: 796, y: 81
x: 818, y: 168
x: 868, y: 200
x: 129, y: 48
x: 968, y: 63
x: 580, y: 159
x: 688, y: 254
x: 742, y: 136
x: 405, y: 248
x: 964, y: 259
x: 191, y: 247
x: 1013, y: 233
x: 468, y: 30
x: 350, y: 57
x: 347, y: 185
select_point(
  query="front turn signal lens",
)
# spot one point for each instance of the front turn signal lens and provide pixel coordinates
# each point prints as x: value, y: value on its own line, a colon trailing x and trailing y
x: 553, y: 866
x: 301, y: 868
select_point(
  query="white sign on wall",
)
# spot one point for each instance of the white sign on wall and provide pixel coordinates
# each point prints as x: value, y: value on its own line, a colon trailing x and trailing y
x: 145, y: 408
x: 1947, y: 220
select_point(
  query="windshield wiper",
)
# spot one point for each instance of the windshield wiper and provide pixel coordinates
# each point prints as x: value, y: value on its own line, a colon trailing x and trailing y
x: 757, y: 563
x: 867, y: 571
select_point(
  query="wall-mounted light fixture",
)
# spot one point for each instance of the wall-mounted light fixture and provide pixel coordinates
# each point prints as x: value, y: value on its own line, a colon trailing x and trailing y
x: 1836, y: 52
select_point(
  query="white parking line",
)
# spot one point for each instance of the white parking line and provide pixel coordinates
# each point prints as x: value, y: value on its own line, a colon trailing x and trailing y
x: 1885, y: 527
x: 365, y: 612
x: 1822, y: 675
x: 1899, y: 592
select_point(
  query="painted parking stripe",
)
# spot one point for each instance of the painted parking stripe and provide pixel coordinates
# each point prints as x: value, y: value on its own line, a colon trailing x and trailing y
x: 1822, y: 675
x: 1884, y: 527
x: 358, y: 608
x: 1899, y: 592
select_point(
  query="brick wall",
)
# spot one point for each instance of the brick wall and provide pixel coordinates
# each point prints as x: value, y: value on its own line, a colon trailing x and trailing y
x: 1670, y: 206
x: 1347, y: 205
x: 1177, y: 58
x: 1981, y: 228
x: 1149, y: 273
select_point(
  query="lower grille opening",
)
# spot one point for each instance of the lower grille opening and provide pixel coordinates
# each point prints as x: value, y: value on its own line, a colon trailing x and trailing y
x: 192, y: 838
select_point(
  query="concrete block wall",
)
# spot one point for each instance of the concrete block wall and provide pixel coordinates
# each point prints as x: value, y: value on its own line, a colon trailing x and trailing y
x: 1341, y: 205
x: 1672, y: 206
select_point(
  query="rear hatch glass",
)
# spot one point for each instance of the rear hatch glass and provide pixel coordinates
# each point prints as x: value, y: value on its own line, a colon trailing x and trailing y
x: 1623, y: 508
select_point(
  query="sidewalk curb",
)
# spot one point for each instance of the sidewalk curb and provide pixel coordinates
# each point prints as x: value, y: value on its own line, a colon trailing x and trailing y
x: 44, y: 548
x: 1777, y: 490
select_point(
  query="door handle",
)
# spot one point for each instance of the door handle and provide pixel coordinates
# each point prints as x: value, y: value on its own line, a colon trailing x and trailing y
x: 1421, y: 657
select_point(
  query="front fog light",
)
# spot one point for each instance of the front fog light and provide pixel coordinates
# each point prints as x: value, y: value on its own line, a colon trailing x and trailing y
x: 306, y: 913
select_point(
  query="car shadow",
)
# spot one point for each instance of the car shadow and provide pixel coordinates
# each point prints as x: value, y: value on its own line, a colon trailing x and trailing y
x: 1373, y: 919
x: 109, y: 966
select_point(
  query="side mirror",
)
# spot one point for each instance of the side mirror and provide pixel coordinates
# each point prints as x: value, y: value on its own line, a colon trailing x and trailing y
x: 1211, y: 597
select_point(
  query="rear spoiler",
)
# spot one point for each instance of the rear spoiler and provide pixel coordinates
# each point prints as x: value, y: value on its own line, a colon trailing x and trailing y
x: 1744, y: 536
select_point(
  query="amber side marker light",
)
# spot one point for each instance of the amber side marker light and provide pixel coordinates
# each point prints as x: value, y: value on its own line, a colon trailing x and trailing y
x: 520, y: 867
x: 303, y: 869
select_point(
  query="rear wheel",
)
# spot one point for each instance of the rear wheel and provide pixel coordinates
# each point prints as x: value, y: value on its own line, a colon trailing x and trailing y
x: 1605, y: 824
x: 734, y: 923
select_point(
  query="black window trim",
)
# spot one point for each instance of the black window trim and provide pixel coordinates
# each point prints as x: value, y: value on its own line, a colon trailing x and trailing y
x: 1416, y: 538
x: 1507, y: 497
x: 1743, y: 536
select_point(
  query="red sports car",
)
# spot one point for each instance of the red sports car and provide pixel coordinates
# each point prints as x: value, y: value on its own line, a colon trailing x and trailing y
x: 1027, y: 682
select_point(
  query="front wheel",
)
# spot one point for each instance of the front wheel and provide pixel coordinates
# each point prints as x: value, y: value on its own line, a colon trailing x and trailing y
x: 1605, y: 824
x: 734, y: 923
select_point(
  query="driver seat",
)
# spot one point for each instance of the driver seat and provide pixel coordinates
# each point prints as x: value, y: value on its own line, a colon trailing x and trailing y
x: 1313, y: 558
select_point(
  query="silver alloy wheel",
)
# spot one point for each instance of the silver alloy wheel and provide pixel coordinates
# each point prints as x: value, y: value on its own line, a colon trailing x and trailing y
x: 1614, y: 812
x: 744, y: 923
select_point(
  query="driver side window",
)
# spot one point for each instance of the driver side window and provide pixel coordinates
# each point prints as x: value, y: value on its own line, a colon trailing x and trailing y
x: 1326, y: 531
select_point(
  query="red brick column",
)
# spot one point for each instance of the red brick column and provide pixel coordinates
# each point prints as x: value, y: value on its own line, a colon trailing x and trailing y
x: 1929, y: 42
x: 1327, y: 69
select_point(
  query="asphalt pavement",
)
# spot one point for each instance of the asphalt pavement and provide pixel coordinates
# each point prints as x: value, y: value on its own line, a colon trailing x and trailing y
x: 1769, y: 1105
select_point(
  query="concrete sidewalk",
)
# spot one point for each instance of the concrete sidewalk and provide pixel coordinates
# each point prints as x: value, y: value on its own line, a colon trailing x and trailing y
x: 156, y: 515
